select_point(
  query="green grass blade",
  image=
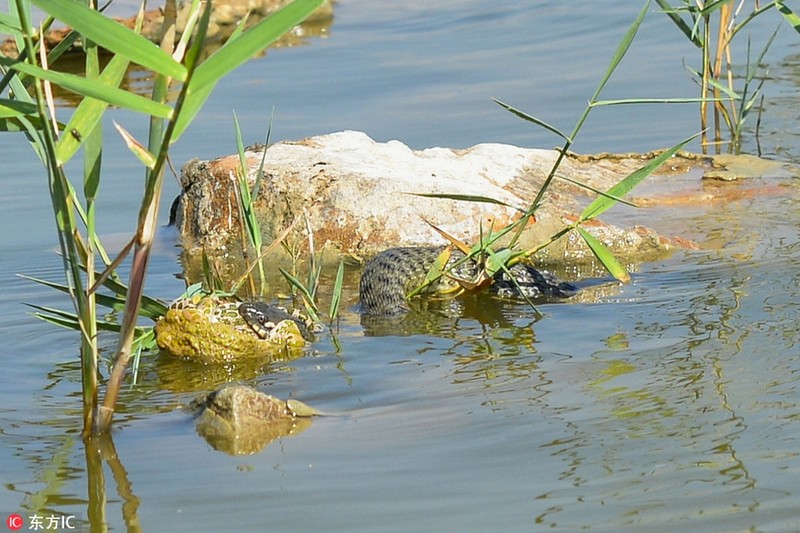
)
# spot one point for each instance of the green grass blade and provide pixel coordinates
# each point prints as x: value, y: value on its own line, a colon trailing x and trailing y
x: 9, y: 24
x: 113, y: 36
x: 629, y: 101
x: 308, y: 300
x: 605, y: 256
x: 466, y: 198
x: 90, y: 111
x: 336, y: 298
x: 596, y: 191
x: 790, y: 16
x: 94, y: 89
x: 603, y: 203
x: 191, y: 106
x: 497, y: 260
x: 530, y: 118
x: 15, y: 109
x: 687, y: 30
x: 250, y: 43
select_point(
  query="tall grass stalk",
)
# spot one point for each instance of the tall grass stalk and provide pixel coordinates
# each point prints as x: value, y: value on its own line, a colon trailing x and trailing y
x: 33, y: 113
x: 711, y: 26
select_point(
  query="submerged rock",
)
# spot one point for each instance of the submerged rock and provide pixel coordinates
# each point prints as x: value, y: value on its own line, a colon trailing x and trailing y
x: 238, y: 420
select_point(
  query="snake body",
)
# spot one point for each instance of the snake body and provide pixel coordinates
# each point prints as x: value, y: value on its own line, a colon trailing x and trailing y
x: 392, y: 274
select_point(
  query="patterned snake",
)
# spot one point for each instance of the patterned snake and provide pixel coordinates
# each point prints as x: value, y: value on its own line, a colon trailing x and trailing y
x: 392, y: 274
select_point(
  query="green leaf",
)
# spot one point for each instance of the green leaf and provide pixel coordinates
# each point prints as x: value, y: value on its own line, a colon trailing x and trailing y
x: 603, y: 203
x: 687, y: 30
x: 9, y: 24
x: 596, y: 191
x: 497, y: 261
x: 531, y: 118
x: 250, y: 43
x: 90, y: 111
x: 605, y: 256
x: 15, y: 108
x: 628, y: 101
x: 790, y: 16
x: 191, y: 106
x: 307, y: 298
x: 113, y: 36
x: 336, y: 298
x: 466, y: 198
x: 94, y: 89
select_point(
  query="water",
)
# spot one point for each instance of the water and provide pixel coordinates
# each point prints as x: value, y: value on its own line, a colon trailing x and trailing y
x: 671, y: 403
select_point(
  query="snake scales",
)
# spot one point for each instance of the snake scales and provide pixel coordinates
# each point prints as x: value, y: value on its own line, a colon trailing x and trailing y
x: 392, y: 274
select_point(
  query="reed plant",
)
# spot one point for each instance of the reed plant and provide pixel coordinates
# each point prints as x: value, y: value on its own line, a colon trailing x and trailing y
x: 27, y: 105
x: 711, y: 26
x: 494, y: 259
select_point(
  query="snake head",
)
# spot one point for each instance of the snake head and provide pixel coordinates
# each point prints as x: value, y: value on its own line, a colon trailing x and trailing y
x: 262, y: 318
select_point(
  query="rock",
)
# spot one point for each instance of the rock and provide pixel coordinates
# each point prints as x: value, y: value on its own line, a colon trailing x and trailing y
x: 358, y: 196
x: 239, y: 420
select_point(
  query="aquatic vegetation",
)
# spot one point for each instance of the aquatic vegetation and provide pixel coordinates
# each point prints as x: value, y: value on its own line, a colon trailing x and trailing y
x: 711, y: 26
x: 28, y: 107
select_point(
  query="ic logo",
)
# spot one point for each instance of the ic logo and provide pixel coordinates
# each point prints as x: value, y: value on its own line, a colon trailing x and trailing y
x: 15, y: 522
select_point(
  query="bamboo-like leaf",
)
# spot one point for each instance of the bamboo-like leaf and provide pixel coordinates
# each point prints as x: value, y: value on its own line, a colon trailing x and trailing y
x: 151, y: 308
x: 94, y: 89
x: 530, y: 118
x: 136, y: 147
x: 308, y: 300
x: 687, y: 30
x: 29, y: 125
x: 113, y: 36
x: 729, y: 92
x: 90, y: 111
x: 790, y: 16
x: 465, y: 198
x: 145, y: 336
x: 710, y: 7
x: 9, y: 24
x: 250, y: 43
x: 596, y: 191
x: 605, y: 256
x: 497, y: 261
x: 629, y: 101
x: 336, y: 298
x: 191, y: 106
x: 603, y: 203
x: 15, y: 108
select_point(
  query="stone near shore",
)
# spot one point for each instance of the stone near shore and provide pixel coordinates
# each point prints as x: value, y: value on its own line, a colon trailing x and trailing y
x: 239, y: 420
x: 360, y: 196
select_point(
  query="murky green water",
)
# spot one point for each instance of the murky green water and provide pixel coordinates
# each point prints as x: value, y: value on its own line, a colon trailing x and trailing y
x: 671, y: 403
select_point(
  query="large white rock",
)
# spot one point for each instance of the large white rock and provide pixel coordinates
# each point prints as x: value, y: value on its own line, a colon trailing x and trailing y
x: 358, y: 195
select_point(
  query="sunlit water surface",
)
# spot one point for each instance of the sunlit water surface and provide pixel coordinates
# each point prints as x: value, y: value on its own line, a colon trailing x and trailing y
x: 671, y: 403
